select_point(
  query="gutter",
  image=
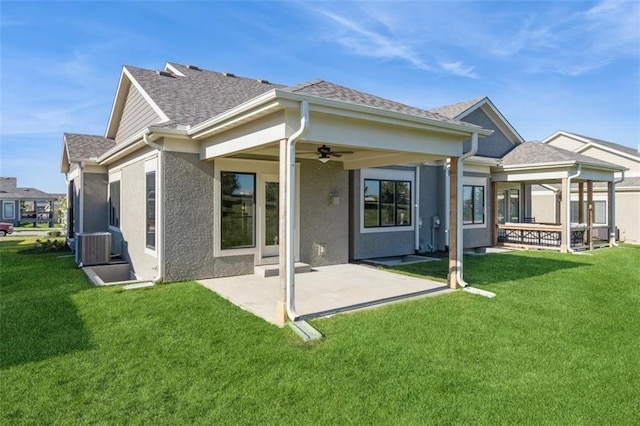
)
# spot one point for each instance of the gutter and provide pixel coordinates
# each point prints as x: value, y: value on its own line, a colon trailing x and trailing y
x: 459, y: 239
x: 160, y: 206
x: 290, y: 167
x: 459, y: 235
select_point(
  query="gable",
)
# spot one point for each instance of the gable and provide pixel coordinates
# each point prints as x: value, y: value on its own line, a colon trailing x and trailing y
x: 566, y: 142
x: 495, y: 145
x: 594, y: 151
x: 136, y: 115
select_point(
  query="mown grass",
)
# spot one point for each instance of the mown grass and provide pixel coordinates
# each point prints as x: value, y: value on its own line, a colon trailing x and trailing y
x: 558, y: 345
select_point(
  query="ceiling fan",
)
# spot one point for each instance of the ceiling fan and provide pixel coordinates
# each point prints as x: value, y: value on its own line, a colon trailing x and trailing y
x: 325, y: 153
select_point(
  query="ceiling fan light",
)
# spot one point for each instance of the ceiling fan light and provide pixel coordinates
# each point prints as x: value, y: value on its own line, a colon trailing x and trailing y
x: 323, y: 159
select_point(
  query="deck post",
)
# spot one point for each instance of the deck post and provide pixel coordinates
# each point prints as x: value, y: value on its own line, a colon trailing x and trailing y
x: 564, y: 206
x: 590, y: 214
x: 281, y: 304
x: 581, y: 202
x: 453, y: 222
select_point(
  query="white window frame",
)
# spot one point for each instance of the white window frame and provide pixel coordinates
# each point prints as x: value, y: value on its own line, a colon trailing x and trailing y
x: 388, y: 174
x: 477, y: 181
x: 115, y: 177
x: 9, y: 203
x: 149, y: 166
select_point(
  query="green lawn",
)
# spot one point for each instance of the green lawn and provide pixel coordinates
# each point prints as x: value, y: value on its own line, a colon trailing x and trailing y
x: 560, y: 344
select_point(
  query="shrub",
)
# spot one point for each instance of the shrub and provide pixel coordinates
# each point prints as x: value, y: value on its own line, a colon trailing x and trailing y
x: 46, y: 246
x: 54, y: 233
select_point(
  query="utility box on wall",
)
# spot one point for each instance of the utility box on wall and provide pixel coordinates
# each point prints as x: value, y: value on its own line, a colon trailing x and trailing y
x: 93, y: 248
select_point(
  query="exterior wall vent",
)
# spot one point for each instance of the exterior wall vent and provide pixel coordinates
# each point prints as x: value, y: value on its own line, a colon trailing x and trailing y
x: 93, y: 248
x: 228, y: 74
x: 164, y: 73
x: 193, y: 67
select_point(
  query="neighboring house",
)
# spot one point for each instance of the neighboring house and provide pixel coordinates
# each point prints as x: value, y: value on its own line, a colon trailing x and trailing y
x: 627, y: 185
x: 203, y: 174
x: 22, y: 206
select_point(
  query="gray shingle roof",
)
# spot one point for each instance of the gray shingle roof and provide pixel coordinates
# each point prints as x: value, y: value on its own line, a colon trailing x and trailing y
x: 8, y: 190
x: 327, y: 90
x: 612, y: 145
x: 202, y: 94
x: 542, y: 153
x: 454, y: 110
x: 84, y: 147
x: 199, y: 95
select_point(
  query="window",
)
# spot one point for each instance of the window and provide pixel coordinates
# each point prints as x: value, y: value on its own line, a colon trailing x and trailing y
x: 114, y: 204
x: 514, y: 205
x: 501, y: 208
x: 238, y: 218
x: 9, y: 210
x: 599, y: 212
x: 387, y: 203
x: 472, y: 204
x: 150, y: 191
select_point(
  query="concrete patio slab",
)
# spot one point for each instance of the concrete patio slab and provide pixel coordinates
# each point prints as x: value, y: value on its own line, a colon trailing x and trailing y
x: 324, y: 291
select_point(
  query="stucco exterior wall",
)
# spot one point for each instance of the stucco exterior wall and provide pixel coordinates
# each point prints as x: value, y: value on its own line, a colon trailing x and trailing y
x: 95, y: 211
x: 322, y: 223
x: 130, y: 239
x: 495, y: 145
x: 627, y: 208
x: 188, y: 221
x: 543, y: 206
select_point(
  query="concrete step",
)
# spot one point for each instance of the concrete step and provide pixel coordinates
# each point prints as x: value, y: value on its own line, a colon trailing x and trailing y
x: 266, y: 271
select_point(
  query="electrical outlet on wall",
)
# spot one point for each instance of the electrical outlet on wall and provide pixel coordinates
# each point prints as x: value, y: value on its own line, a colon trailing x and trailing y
x: 322, y: 249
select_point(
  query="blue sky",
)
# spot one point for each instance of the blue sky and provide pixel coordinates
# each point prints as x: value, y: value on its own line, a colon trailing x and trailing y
x: 571, y: 65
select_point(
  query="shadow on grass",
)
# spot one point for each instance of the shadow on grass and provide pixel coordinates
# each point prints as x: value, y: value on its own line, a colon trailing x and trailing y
x: 39, y: 319
x: 496, y: 268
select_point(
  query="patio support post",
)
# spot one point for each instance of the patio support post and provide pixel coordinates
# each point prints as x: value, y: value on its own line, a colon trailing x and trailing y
x: 281, y: 304
x: 564, y: 215
x: 494, y: 213
x: 590, y: 214
x: 453, y: 223
x: 611, y: 212
x: 581, y: 202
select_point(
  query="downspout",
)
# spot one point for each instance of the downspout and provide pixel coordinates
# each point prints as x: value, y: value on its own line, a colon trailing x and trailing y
x: 417, y: 221
x: 81, y: 201
x: 290, y: 164
x: 459, y: 234
x: 160, y: 206
x: 568, y: 201
x: 612, y: 237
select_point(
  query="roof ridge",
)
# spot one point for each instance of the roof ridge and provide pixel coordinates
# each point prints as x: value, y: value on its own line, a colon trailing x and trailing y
x: 305, y: 84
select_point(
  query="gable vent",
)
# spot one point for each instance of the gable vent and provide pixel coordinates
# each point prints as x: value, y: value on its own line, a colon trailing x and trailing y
x: 260, y: 80
x: 164, y: 73
x: 193, y: 67
x: 228, y: 74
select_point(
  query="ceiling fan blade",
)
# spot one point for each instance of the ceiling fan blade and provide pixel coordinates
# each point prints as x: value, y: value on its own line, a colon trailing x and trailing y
x: 341, y: 152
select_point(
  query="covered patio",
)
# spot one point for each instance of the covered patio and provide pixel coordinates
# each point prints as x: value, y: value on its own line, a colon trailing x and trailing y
x: 561, y: 172
x: 309, y: 122
x: 325, y: 291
